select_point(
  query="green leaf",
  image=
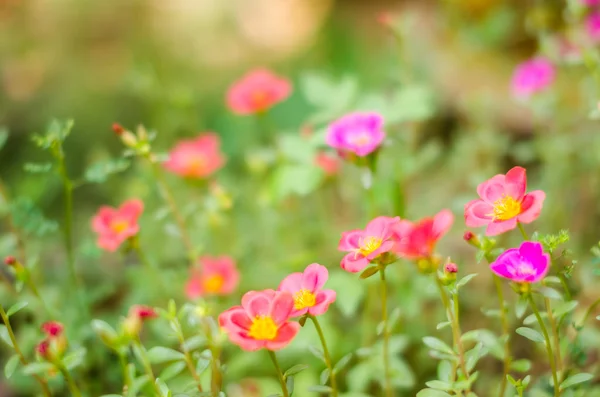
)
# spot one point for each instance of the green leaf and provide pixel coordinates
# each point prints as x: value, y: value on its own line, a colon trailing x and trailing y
x: 443, y: 324
x: 437, y: 344
x: 137, y: 384
x: 564, y: 308
x: 439, y: 385
x: 530, y: 334
x: 3, y: 136
x: 289, y: 385
x: 295, y: 370
x: 324, y: 377
x: 37, y: 168
x: 521, y: 306
x: 203, y: 361
x: 164, y: 389
x: 160, y: 354
x: 463, y: 281
x: 16, y: 307
x: 575, y: 379
x: 105, y: 332
x: 4, y: 335
x: 432, y: 393
x: 296, y: 149
x: 172, y: 370
x: 320, y: 389
x: 342, y: 362
x: 522, y: 365
x: 74, y: 359
x: 30, y: 219
x: 369, y: 271
x: 100, y: 171
x: 11, y: 365
x: 37, y: 368
x: 550, y: 293
x: 474, y: 355
x: 295, y: 180
x: 194, y: 343
x: 317, y: 352
x: 350, y: 292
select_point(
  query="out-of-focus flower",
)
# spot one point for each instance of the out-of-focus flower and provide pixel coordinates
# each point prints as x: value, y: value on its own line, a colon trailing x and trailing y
x: 592, y: 26
x: 418, y: 240
x: 215, y: 276
x: 52, y: 328
x: 196, y: 158
x: 143, y: 312
x: 532, y: 76
x: 55, y: 343
x: 526, y: 264
x: 261, y: 321
x: 43, y: 349
x: 257, y: 92
x: 10, y: 260
x: 306, y: 287
x: 138, y: 314
x: 358, y: 133
x: 328, y: 163
x: 590, y: 2
x: 504, y: 202
x: 364, y: 246
x: 115, y: 225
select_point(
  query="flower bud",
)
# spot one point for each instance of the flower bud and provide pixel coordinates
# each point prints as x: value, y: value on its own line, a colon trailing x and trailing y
x: 132, y: 326
x: 428, y: 265
x: 118, y: 128
x: 43, y: 349
x: 52, y: 329
x: 472, y: 239
x: 449, y: 275
x: 10, y: 260
x: 129, y: 139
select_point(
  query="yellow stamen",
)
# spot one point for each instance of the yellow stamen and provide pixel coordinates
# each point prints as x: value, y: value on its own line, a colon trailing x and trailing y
x: 213, y: 283
x: 119, y: 226
x: 505, y: 208
x: 263, y: 328
x: 195, y: 164
x: 304, y: 298
x: 368, y: 245
x: 360, y: 139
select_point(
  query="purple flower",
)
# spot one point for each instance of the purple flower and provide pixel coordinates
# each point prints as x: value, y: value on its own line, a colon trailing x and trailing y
x: 359, y: 133
x: 531, y: 77
x: 526, y: 264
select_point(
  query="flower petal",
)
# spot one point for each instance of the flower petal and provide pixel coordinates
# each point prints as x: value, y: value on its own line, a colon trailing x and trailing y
x: 442, y: 222
x: 496, y: 228
x: 505, y: 264
x: 477, y: 213
x: 285, y: 334
x: 281, y: 307
x: 515, y: 182
x: 531, y: 206
x: 324, y: 299
x: 292, y: 283
x: 492, y: 189
x: 314, y: 277
x: 350, y: 240
x: 354, y: 262
x: 256, y: 303
x: 245, y: 342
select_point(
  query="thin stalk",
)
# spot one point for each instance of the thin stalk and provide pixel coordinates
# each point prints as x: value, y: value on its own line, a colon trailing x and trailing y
x: 563, y: 282
x: 547, y: 343
x: 328, y: 361
x: 187, y: 356
x: 147, y: 366
x: 215, y: 375
x: 555, y: 336
x: 386, y: 335
x: 279, y: 373
x: 123, y: 362
x: 22, y: 358
x: 70, y: 382
x: 505, y: 334
x: 588, y: 312
x: 36, y: 293
x: 135, y: 244
x: 523, y: 232
x: 13, y: 228
x: 68, y: 226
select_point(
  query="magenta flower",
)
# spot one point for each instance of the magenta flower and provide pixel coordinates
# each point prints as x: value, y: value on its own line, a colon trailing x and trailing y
x: 504, y: 202
x: 359, y: 133
x: 590, y: 2
x: 309, y: 297
x: 526, y: 264
x: 364, y: 246
x: 592, y: 26
x: 116, y: 225
x: 261, y: 321
x: 532, y: 76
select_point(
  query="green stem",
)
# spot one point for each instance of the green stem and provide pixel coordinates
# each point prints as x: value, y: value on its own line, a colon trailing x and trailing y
x: 328, y: 361
x: 386, y: 335
x: 36, y: 293
x: 22, y: 358
x: 505, y: 334
x: 187, y: 356
x: 547, y: 343
x: 135, y: 244
x: 563, y: 282
x: 123, y: 362
x: 70, y: 382
x: 523, y: 232
x: 147, y: 366
x: 279, y: 374
x: 215, y: 376
x: 555, y: 336
x: 589, y: 312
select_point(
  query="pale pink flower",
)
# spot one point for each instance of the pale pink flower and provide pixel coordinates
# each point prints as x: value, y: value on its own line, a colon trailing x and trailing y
x: 418, y: 240
x: 196, y: 158
x: 532, y: 76
x: 504, y: 202
x: 358, y: 133
x: 526, y: 264
x: 328, y: 163
x: 261, y: 321
x: 115, y: 225
x: 257, y: 92
x: 306, y: 287
x: 215, y: 276
x: 364, y: 246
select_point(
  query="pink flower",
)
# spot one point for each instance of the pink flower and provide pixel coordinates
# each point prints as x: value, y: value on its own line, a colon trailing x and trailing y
x: 43, y: 348
x: 115, y: 225
x: 359, y: 133
x: 329, y: 164
x: 364, y: 246
x: 592, y: 26
x: 143, y: 312
x: 52, y: 329
x: 532, y: 76
x: 418, y: 240
x: 257, y: 92
x: 261, y: 321
x: 309, y: 297
x: 196, y: 158
x: 590, y: 2
x: 526, y: 264
x: 503, y: 202
x: 216, y: 276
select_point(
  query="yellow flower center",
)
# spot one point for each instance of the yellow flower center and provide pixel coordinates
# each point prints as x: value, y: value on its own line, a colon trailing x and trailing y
x: 195, y: 164
x: 213, y: 283
x: 360, y: 139
x: 119, y: 226
x: 304, y: 298
x: 260, y: 99
x: 368, y: 245
x: 505, y: 208
x: 263, y: 328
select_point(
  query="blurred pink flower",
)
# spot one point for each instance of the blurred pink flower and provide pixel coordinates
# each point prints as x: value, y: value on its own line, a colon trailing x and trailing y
x: 590, y: 2
x: 52, y: 328
x: 261, y: 321
x: 364, y: 246
x: 115, y: 225
x: 196, y: 158
x: 504, y: 202
x: 215, y: 276
x: 143, y: 312
x: 526, y: 264
x: 532, y: 76
x: 309, y: 297
x: 359, y: 133
x: 328, y: 163
x: 592, y: 26
x: 417, y: 240
x: 257, y: 92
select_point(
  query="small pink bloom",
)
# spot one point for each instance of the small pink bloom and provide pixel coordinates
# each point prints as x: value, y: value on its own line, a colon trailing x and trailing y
x: 309, y: 297
x: 215, y: 276
x: 115, y: 225
x: 590, y: 2
x: 532, y: 76
x: 358, y: 133
x: 450, y: 267
x: 52, y: 328
x: 504, y: 202
x: 143, y: 312
x: 418, y: 240
x: 196, y: 158
x: 592, y: 26
x: 363, y: 246
x: 328, y: 163
x: 257, y: 92
x: 43, y: 348
x: 10, y: 260
x: 526, y: 264
x: 261, y: 321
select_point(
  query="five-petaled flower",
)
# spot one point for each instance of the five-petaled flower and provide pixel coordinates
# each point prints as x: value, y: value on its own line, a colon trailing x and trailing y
x: 306, y: 287
x: 526, y: 264
x: 257, y: 92
x: 216, y: 276
x: 364, y: 246
x: 358, y: 133
x: 196, y: 158
x: 261, y: 321
x: 115, y: 225
x: 531, y: 77
x: 504, y: 202
x: 418, y: 240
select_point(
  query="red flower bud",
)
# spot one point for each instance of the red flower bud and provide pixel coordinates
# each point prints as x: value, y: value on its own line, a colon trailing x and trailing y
x: 468, y: 235
x: 143, y: 312
x: 450, y: 267
x: 10, y: 260
x: 118, y: 128
x: 42, y: 348
x: 52, y: 328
